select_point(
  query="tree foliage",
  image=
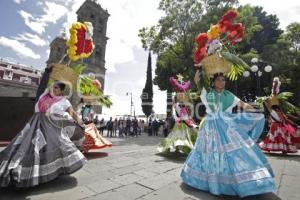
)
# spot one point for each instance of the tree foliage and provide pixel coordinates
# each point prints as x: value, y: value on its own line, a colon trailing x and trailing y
x: 147, y: 95
x: 172, y: 39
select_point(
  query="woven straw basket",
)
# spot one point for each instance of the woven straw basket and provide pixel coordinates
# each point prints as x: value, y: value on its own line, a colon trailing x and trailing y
x: 89, y: 99
x: 182, y: 97
x: 271, y: 101
x: 215, y: 64
x: 64, y: 73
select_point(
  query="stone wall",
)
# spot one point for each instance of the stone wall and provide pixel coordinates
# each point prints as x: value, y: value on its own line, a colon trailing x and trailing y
x: 15, y: 113
x: 16, y: 89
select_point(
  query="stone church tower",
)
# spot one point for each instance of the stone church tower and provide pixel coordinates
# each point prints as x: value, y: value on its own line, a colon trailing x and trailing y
x: 92, y: 12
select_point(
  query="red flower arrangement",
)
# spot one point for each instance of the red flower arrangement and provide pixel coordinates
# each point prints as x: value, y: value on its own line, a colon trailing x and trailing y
x: 234, y: 34
x: 200, y: 52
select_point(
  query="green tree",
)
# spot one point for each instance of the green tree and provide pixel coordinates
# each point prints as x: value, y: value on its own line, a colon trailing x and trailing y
x: 293, y: 35
x: 268, y: 33
x: 172, y: 39
x: 147, y: 95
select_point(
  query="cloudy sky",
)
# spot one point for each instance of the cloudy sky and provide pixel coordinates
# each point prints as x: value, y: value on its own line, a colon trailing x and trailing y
x: 28, y: 26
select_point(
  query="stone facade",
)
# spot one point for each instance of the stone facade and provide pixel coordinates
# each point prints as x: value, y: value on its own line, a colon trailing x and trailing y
x: 18, y: 80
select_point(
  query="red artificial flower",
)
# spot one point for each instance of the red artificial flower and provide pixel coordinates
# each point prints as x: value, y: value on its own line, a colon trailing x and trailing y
x: 229, y: 16
x: 201, y: 39
x: 225, y: 26
x: 199, y: 54
x: 236, y: 33
x: 83, y: 45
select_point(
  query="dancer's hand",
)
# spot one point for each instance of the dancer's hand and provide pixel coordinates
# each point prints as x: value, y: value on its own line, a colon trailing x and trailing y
x: 50, y: 67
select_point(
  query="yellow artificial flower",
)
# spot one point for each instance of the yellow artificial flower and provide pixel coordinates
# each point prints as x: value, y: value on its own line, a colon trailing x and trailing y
x: 214, y: 32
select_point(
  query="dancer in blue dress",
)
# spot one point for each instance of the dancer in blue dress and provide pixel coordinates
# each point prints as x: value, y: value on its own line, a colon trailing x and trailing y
x: 225, y: 159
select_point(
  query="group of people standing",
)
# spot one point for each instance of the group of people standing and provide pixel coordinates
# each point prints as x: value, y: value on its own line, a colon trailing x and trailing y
x: 121, y: 127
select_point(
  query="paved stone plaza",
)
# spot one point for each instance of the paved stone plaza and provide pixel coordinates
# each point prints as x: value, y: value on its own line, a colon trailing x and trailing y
x: 131, y: 169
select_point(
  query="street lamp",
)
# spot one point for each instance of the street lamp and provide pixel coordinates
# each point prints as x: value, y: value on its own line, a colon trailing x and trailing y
x: 131, y: 102
x: 256, y: 68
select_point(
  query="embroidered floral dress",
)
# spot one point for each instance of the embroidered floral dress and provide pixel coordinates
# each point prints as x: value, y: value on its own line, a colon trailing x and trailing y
x: 183, y: 135
x: 226, y: 159
x: 46, y: 147
x: 280, y: 136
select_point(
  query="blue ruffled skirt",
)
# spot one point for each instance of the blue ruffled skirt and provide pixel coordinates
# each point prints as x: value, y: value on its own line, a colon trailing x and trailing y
x: 226, y: 160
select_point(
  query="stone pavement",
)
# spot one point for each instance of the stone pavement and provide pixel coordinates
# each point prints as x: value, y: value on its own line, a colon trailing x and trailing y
x: 131, y: 169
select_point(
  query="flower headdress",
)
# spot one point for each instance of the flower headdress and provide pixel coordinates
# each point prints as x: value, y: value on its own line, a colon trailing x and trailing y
x: 276, y: 98
x: 210, y: 53
x: 80, y: 45
x: 81, y: 42
x: 181, y: 88
x: 179, y: 84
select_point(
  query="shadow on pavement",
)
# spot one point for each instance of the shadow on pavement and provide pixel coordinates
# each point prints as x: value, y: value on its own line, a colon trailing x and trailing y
x: 61, y: 183
x: 95, y: 155
x: 267, y: 196
x: 173, y: 157
x: 205, y: 195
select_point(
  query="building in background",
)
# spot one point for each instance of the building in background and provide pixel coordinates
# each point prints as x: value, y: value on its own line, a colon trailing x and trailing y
x: 18, y: 86
x: 18, y: 80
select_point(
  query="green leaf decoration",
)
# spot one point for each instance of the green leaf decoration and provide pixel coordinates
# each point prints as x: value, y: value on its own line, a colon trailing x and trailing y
x: 260, y: 101
x: 238, y: 65
x: 78, y: 68
x: 105, y: 101
x: 283, y: 97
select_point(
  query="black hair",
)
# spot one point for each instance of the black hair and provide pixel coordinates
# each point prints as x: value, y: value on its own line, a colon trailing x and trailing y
x: 275, y: 107
x: 60, y: 84
x: 216, y: 75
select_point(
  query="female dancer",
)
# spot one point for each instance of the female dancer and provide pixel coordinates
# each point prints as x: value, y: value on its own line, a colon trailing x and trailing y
x: 225, y: 159
x: 43, y: 150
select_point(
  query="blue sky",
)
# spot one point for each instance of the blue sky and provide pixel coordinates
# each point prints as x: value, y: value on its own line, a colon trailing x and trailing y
x: 28, y: 27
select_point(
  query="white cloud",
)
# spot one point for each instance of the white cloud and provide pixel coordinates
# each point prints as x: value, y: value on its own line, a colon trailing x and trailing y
x: 19, y: 1
x: 34, y: 39
x: 287, y: 11
x: 47, y: 53
x: 33, y: 23
x: 52, y: 13
x: 20, y: 48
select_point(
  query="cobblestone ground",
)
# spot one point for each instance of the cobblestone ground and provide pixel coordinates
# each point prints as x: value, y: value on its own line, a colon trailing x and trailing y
x: 131, y: 169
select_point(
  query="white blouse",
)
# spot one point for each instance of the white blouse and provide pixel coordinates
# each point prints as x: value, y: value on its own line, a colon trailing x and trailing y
x: 59, y: 107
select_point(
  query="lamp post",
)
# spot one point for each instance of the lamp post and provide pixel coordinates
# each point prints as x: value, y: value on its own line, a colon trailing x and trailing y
x: 256, y: 68
x: 131, y: 102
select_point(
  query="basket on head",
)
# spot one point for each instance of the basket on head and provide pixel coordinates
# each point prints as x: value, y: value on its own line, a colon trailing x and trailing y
x: 272, y: 101
x: 64, y: 73
x: 89, y: 99
x: 182, y: 97
x: 215, y: 64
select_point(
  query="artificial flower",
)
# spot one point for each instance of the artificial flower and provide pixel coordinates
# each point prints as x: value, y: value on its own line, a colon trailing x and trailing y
x: 236, y: 33
x: 214, y: 46
x: 229, y: 16
x: 201, y: 39
x: 80, y: 42
x: 214, y: 32
x: 199, y: 54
